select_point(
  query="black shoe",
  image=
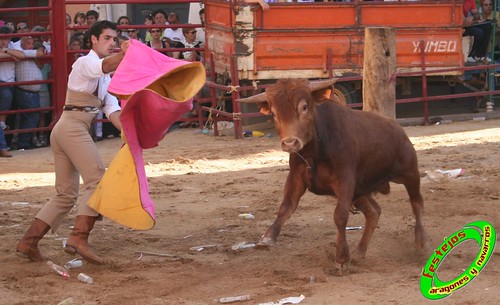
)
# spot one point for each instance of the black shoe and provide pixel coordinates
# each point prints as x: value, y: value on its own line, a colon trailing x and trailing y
x: 21, y: 148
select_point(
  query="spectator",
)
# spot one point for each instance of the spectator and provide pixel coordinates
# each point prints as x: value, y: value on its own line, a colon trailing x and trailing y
x: 160, y: 17
x: 4, y: 149
x: 122, y: 21
x: 156, y: 42
x: 75, y: 44
x: 11, y: 26
x: 40, y: 138
x: 200, y: 36
x: 68, y: 19
x: 262, y: 3
x: 78, y: 36
x: 148, y: 20
x: 132, y: 34
x: 487, y: 14
x: 80, y: 19
x: 69, y: 24
x: 91, y: 17
x: 174, y: 34
x: 479, y: 29
x: 27, y: 96
x: 21, y: 27
x: 41, y: 39
x: 7, y: 75
x: 190, y: 41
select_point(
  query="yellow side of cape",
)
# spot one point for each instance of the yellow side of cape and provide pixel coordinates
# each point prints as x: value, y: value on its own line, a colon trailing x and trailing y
x: 119, y: 190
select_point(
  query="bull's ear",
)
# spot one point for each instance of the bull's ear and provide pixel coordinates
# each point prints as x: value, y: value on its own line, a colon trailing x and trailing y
x: 322, y: 90
x: 264, y: 108
x: 322, y: 95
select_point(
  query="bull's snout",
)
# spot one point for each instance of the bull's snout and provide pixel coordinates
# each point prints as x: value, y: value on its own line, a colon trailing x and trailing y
x: 291, y: 144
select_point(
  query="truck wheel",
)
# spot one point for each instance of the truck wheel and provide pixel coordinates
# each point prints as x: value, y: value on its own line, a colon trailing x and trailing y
x: 345, y: 93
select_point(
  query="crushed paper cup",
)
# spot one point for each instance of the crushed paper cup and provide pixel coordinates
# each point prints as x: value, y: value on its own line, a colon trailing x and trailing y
x: 289, y: 300
x: 242, y: 245
x: 441, y: 174
x: 452, y: 173
x: 245, y: 297
x: 246, y: 216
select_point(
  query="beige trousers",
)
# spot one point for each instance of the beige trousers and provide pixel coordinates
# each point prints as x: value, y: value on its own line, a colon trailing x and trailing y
x: 75, y: 154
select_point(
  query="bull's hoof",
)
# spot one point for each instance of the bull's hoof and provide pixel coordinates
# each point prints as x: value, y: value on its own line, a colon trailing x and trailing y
x: 357, y: 255
x: 341, y: 269
x: 265, y: 243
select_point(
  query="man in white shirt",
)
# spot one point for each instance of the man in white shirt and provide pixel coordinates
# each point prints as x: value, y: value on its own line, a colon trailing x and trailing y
x: 174, y: 34
x: 21, y: 27
x: 75, y: 153
x: 8, y: 71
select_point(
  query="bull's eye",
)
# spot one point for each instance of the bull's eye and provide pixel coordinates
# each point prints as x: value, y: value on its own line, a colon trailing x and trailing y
x: 302, y: 106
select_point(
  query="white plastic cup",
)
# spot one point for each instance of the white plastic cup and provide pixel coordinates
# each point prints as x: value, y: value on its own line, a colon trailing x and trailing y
x: 74, y: 263
x: 82, y: 277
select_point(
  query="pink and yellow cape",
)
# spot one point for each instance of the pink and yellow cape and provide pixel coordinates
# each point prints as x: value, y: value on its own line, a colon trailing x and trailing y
x: 155, y: 91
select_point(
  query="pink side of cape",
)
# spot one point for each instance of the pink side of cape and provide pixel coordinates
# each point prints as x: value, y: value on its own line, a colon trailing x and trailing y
x: 145, y: 119
x: 140, y: 67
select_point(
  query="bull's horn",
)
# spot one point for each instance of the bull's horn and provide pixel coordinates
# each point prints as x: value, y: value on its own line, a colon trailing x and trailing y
x: 258, y: 98
x: 317, y: 85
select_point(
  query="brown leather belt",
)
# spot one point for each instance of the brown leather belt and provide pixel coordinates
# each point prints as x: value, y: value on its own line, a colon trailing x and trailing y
x: 88, y: 109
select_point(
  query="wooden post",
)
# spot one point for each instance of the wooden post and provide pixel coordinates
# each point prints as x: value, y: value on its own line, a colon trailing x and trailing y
x: 379, y: 68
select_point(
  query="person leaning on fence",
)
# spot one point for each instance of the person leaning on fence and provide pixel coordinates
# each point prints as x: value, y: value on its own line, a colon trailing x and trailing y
x: 74, y: 151
x: 40, y: 138
x: 27, y: 96
x: 487, y: 13
x: 478, y: 28
x: 7, y: 75
x: 5, y: 91
x: 21, y: 27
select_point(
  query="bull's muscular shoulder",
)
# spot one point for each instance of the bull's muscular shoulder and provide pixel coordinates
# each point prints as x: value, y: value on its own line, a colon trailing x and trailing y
x: 339, y: 127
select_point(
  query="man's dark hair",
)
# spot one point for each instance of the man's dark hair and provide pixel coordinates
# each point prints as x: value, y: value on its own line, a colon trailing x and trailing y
x: 92, y: 13
x: 4, y: 30
x: 202, y: 11
x: 159, y: 11
x: 97, y: 28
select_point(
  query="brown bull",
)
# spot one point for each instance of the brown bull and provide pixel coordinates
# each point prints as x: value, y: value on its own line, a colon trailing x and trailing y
x: 338, y: 151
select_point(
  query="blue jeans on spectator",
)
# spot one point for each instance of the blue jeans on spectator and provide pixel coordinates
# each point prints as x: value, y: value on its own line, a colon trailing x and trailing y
x: 6, y: 97
x: 3, y: 143
x: 27, y: 100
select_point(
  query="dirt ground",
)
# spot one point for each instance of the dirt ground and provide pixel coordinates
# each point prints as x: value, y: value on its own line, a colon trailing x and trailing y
x: 201, y: 184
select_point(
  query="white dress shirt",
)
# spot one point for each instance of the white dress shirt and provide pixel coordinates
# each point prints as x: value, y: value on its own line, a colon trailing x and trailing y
x: 84, y: 77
